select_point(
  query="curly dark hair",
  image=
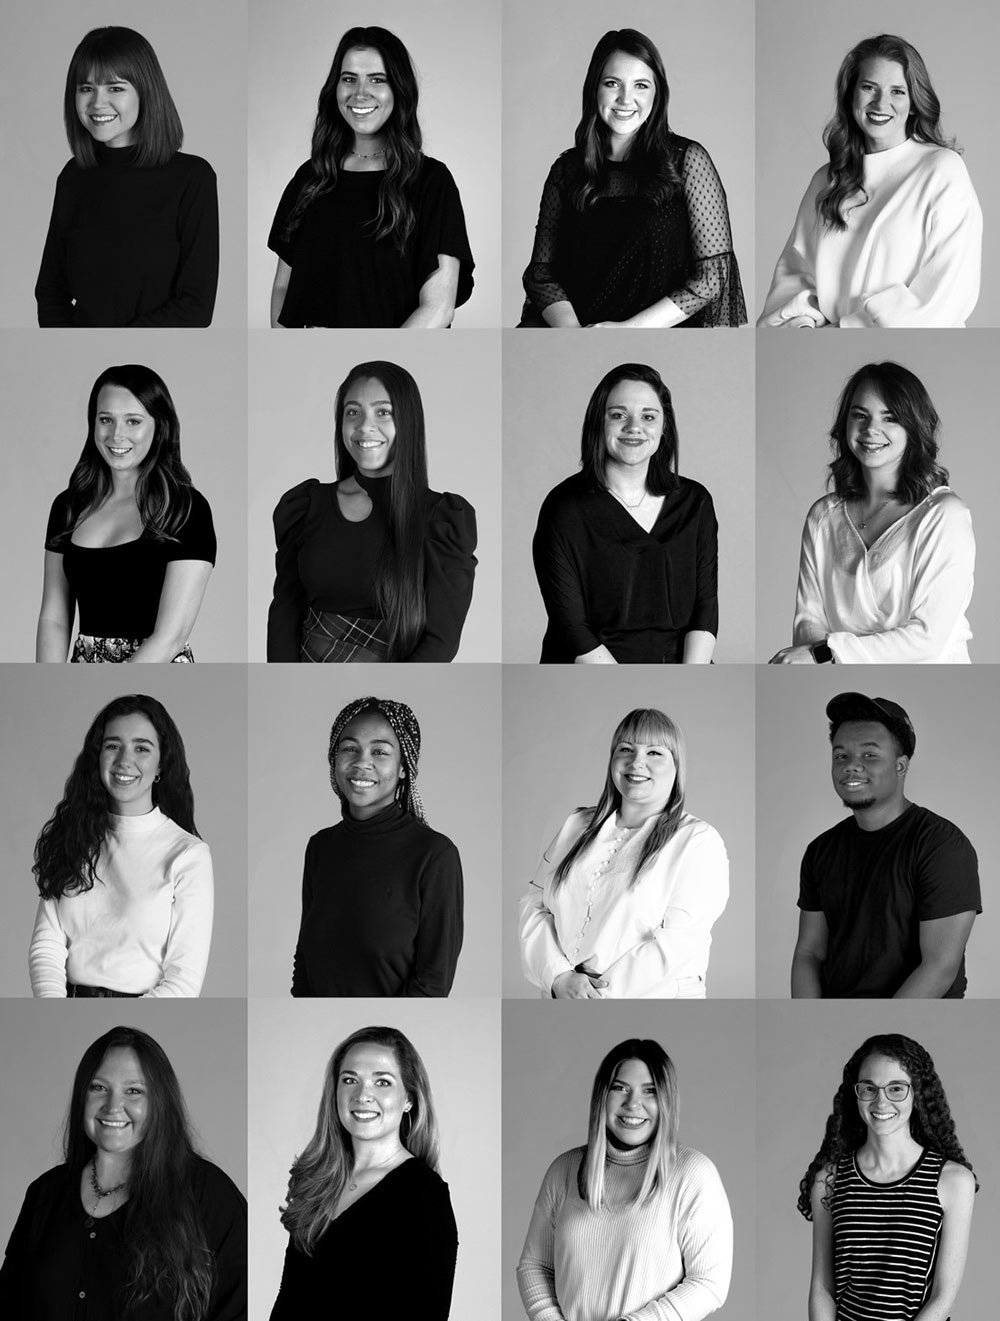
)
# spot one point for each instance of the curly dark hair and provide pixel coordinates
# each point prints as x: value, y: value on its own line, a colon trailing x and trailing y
x: 70, y: 841
x: 661, y: 475
x: 931, y: 1123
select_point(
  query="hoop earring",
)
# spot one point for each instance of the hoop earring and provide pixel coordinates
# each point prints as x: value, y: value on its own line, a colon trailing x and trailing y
x: 409, y: 1124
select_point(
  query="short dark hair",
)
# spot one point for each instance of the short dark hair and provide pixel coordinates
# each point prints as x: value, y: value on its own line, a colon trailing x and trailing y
x: 661, y: 476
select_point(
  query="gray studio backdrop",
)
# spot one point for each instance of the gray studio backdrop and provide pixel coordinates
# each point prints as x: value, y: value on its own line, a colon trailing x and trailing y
x: 289, y: 1046
x: 799, y: 50
x: 707, y: 51
x: 547, y: 384
x: 202, y: 51
x: 801, y: 1053
x: 46, y: 382
x: 290, y: 797
x: 556, y: 743
x: 455, y: 48
x: 799, y: 380
x: 551, y: 1052
x: 956, y: 716
x: 293, y: 390
x: 45, y: 711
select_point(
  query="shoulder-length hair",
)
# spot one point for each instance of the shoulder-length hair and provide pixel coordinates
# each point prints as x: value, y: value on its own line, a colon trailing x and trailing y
x: 843, y: 138
x: 931, y: 1123
x: 170, y: 1260
x: 333, y: 138
x: 163, y: 485
x: 650, y: 152
x: 906, y: 397
x: 69, y: 845
x: 661, y: 475
x: 590, y: 1178
x: 107, y: 54
x: 320, y: 1173
x: 643, y: 725
x: 399, y: 574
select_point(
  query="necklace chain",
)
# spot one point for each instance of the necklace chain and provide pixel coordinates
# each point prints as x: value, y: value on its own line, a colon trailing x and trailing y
x: 371, y: 156
x: 99, y: 1192
x: 621, y: 499
x: 354, y: 1182
x: 875, y: 512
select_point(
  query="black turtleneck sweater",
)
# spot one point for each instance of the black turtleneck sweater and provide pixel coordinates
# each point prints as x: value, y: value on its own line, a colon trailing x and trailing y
x: 131, y: 246
x: 381, y: 910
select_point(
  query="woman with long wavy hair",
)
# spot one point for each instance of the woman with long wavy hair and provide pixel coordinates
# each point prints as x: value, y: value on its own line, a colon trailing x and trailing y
x: 130, y: 543
x: 890, y: 232
x: 624, y: 898
x: 633, y: 227
x: 887, y: 560
x: 367, y: 1208
x: 374, y: 566
x: 632, y: 1223
x: 370, y: 231
x: 125, y: 879
x: 889, y: 1193
x: 134, y: 1220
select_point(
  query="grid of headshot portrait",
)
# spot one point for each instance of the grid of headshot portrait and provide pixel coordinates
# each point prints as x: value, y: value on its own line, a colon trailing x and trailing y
x: 660, y: 668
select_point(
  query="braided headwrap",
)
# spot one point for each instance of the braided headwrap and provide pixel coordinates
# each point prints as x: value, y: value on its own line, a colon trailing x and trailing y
x: 404, y: 725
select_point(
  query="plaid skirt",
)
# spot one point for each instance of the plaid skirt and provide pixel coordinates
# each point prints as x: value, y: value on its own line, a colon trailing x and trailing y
x: 88, y: 650
x: 328, y: 638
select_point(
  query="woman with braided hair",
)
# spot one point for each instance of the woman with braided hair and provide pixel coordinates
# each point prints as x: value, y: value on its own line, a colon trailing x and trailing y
x: 889, y: 1192
x: 381, y: 890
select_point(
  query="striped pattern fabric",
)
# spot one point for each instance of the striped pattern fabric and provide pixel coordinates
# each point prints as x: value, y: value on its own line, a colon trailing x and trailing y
x: 329, y: 638
x: 885, y: 1238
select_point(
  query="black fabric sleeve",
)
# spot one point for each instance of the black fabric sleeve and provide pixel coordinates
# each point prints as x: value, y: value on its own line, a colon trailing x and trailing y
x: 224, y: 1215
x: 13, y: 1284
x: 300, y: 979
x: 56, y: 526
x: 196, y: 539
x: 560, y: 583
x: 809, y: 896
x: 431, y: 1252
x: 52, y: 291
x: 715, y: 282
x: 439, y: 936
x: 449, y: 570
x: 539, y: 280
x: 441, y: 229
x: 276, y: 241
x: 948, y: 875
x: 288, y: 605
x: 705, y: 614
x: 197, y: 278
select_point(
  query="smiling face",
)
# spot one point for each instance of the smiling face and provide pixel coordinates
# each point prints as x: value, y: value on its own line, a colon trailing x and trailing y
x: 371, y: 1099
x: 866, y: 765
x: 643, y: 773
x: 368, y: 426
x: 368, y: 765
x: 882, y: 1115
x: 129, y: 762
x: 116, y: 1106
x: 626, y: 92
x: 874, y: 436
x: 631, y: 1110
x: 881, y: 103
x: 364, y: 97
x: 123, y: 430
x: 633, y: 424
x: 108, y: 111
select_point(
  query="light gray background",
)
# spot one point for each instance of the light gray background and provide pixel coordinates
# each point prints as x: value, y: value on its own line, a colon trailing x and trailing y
x: 460, y: 1047
x: 202, y: 51
x: 801, y: 1053
x: 455, y: 48
x: 799, y: 383
x: 291, y: 799
x: 707, y: 51
x: 557, y: 736
x: 955, y: 715
x: 46, y: 710
x: 45, y: 383
x: 547, y: 384
x: 293, y: 391
x: 799, y: 50
x: 551, y: 1052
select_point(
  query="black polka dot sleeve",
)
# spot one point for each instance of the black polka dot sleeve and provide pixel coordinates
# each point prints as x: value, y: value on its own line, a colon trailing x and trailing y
x: 714, y: 286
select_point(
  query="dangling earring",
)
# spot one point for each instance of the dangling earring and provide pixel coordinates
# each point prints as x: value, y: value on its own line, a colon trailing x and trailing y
x: 409, y: 1124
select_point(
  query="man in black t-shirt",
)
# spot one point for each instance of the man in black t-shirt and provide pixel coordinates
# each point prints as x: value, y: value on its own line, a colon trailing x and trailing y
x: 888, y: 897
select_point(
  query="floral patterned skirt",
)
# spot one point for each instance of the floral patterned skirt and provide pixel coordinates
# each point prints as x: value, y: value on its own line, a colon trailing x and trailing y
x: 88, y: 650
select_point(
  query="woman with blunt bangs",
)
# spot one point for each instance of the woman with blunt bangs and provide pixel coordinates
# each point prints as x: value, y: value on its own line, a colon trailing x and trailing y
x: 633, y: 227
x: 886, y: 568
x: 624, y: 898
x: 367, y: 1208
x: 134, y: 234
x: 626, y: 550
x: 374, y: 566
x: 370, y: 231
x: 125, y: 880
x: 890, y: 1192
x: 130, y: 543
x: 632, y: 1224
x: 890, y: 232
x: 135, y: 1221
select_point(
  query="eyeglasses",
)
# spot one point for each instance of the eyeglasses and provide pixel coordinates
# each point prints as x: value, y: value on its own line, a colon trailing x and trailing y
x: 895, y: 1091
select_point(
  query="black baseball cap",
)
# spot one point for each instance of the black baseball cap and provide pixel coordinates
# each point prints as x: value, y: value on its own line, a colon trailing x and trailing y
x: 856, y: 706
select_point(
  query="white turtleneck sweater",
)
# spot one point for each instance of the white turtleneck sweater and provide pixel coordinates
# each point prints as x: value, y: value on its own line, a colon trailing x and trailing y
x: 145, y: 926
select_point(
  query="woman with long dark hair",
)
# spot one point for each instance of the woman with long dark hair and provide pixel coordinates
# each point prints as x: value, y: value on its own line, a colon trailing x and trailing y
x: 633, y: 227
x: 890, y: 232
x: 370, y: 231
x: 624, y: 898
x: 366, y: 1202
x: 889, y: 1193
x: 632, y: 1223
x: 135, y: 1221
x: 375, y: 566
x: 626, y: 550
x: 130, y: 543
x: 125, y: 879
x: 134, y: 234
x: 886, y: 568
x: 381, y: 890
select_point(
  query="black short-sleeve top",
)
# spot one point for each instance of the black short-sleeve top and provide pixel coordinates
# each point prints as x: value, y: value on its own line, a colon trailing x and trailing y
x: 117, y: 588
x: 341, y: 274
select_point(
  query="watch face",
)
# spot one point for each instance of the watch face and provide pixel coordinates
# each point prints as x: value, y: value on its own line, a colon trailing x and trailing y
x: 821, y: 653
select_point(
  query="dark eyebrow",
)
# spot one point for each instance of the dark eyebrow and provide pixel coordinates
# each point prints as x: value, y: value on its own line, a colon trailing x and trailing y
x: 374, y: 401
x: 869, y: 743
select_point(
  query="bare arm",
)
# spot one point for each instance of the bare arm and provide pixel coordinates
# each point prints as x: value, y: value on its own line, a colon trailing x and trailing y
x: 436, y: 308
x: 698, y: 647
x: 822, y: 1301
x: 180, y: 600
x: 282, y: 274
x: 956, y: 1191
x: 809, y: 956
x: 599, y: 656
x: 942, y: 945
x: 55, y: 618
x: 561, y: 316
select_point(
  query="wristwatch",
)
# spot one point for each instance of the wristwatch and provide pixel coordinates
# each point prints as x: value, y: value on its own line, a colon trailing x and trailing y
x: 821, y: 653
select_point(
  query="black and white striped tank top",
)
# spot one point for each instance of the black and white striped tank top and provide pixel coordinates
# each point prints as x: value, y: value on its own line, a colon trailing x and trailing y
x: 885, y: 1240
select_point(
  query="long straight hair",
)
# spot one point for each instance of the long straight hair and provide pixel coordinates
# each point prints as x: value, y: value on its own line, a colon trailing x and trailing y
x: 661, y: 474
